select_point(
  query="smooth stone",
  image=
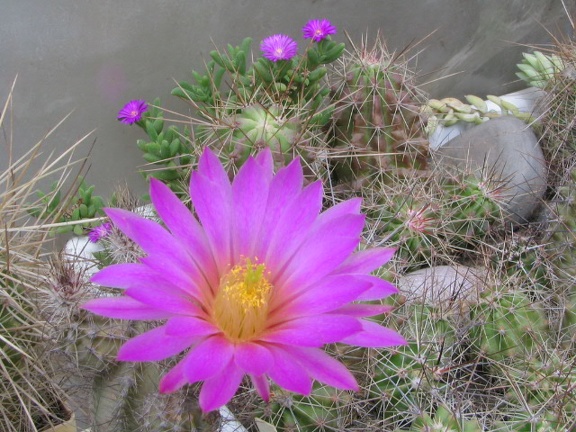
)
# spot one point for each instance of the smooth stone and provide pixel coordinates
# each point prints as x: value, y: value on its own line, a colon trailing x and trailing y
x: 508, y: 152
x: 443, y: 285
x: 79, y: 252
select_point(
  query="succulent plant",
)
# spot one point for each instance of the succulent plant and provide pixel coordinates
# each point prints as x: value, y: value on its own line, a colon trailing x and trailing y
x: 506, y: 323
x: 169, y: 151
x: 288, y: 133
x: 406, y: 215
x: 69, y: 211
x: 443, y: 420
x: 556, y: 74
x: 325, y: 409
x: 434, y: 217
x: 450, y: 111
x: 377, y: 125
x: 538, y: 69
x: 414, y: 380
x: 243, y: 107
x: 543, y: 383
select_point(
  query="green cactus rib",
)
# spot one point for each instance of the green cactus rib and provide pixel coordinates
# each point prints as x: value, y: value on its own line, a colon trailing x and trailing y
x: 416, y: 378
x: 506, y: 324
x: 325, y: 409
x: 434, y: 216
x: 443, y: 420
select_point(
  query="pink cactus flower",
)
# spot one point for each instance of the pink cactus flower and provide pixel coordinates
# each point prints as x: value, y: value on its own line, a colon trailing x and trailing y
x: 256, y: 286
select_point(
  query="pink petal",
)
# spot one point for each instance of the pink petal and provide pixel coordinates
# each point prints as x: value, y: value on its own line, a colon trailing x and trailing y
x: 323, y: 251
x: 348, y: 207
x: 380, y: 289
x: 288, y: 373
x: 253, y: 358
x: 175, y: 274
x: 130, y: 275
x: 262, y: 386
x: 123, y: 308
x: 264, y: 159
x: 363, y: 310
x: 374, y: 336
x: 189, y: 327
x: 153, y: 345
x: 158, y: 243
x: 175, y: 378
x: 366, y: 261
x: 324, y: 368
x: 217, y: 391
x: 147, y: 233
x: 292, y: 225
x: 183, y: 225
x: 209, y: 358
x: 163, y: 300
x: 250, y: 196
x: 210, y: 166
x: 285, y: 187
x: 330, y: 293
x: 327, y: 328
x: 211, y: 194
x: 213, y: 204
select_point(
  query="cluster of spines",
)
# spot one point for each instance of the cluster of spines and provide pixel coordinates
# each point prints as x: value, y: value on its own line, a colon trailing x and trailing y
x: 377, y: 123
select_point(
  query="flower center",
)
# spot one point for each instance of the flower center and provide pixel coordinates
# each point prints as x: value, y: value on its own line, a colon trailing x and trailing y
x: 241, y: 304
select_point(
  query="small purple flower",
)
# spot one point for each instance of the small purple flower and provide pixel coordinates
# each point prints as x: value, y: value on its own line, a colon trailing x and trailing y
x: 279, y: 47
x: 98, y: 233
x: 132, y: 111
x: 318, y: 30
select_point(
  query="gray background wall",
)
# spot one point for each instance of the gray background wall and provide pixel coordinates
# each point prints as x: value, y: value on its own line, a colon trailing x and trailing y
x: 93, y: 56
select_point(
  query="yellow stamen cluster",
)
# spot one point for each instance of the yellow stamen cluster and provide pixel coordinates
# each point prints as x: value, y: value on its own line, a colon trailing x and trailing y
x: 240, y: 308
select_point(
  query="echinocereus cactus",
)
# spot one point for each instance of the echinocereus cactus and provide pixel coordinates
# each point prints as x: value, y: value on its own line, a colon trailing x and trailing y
x: 506, y: 323
x: 377, y: 128
x: 433, y: 217
x: 326, y: 408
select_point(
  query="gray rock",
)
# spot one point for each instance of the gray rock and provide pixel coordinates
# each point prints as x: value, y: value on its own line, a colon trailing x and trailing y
x: 443, y: 285
x: 506, y: 151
